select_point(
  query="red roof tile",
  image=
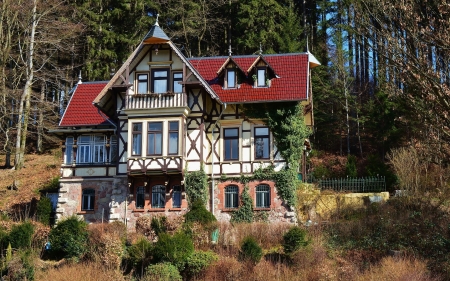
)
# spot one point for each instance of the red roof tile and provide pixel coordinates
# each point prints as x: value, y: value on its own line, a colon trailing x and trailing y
x: 80, y: 111
x: 292, y: 70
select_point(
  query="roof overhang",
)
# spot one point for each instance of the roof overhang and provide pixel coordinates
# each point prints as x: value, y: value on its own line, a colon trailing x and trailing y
x: 313, y: 62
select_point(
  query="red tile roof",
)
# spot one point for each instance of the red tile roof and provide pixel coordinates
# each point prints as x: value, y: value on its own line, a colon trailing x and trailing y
x: 292, y: 70
x: 80, y: 111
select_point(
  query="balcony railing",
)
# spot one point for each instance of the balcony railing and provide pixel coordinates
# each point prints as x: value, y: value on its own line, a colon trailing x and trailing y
x: 146, y: 101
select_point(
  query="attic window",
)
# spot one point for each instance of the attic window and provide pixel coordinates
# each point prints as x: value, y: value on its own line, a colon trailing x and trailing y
x: 261, y: 77
x: 142, y: 83
x: 231, y: 78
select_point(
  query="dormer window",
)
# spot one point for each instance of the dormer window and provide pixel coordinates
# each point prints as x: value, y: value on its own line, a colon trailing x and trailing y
x: 142, y: 83
x: 261, y: 73
x: 231, y: 78
x: 160, y: 81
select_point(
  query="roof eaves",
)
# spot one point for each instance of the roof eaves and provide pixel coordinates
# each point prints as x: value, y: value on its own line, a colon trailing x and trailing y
x: 194, y: 71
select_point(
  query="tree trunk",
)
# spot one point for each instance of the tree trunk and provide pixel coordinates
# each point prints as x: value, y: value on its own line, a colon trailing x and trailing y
x: 22, y: 124
x: 40, y: 124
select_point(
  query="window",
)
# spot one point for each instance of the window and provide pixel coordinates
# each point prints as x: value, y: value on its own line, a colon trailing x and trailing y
x: 176, y: 196
x: 262, y: 196
x: 173, y: 137
x: 160, y: 78
x: 158, y: 196
x: 137, y: 139
x: 91, y: 149
x: 231, y: 78
x: 177, y: 77
x: 69, y: 151
x: 262, y: 143
x: 88, y: 200
x: 231, y: 196
x: 142, y: 83
x: 114, y: 150
x: 140, y: 197
x: 154, y: 145
x: 231, y: 143
x: 261, y: 77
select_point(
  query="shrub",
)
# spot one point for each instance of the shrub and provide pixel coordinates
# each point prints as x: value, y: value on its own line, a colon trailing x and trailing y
x: 175, y: 249
x: 158, y: 224
x: 196, y: 184
x: 162, y: 272
x: 350, y: 167
x: 140, y: 254
x: 44, y: 210
x: 20, y: 235
x: 69, y: 238
x: 245, y: 211
x: 250, y: 250
x: 198, y: 213
x: 21, y: 267
x: 294, y: 239
x: 199, y: 261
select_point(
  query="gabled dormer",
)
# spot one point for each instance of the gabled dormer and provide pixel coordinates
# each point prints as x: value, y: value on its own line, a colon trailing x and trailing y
x: 231, y: 73
x: 261, y: 73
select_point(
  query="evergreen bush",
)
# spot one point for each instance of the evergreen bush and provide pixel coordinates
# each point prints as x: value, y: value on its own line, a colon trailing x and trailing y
x: 162, y: 272
x: 158, y: 224
x: 196, y: 184
x: 294, y: 239
x: 250, y: 250
x: 140, y: 254
x: 44, y: 210
x: 69, y: 238
x: 350, y: 167
x: 199, y: 213
x: 175, y: 249
x: 199, y: 261
x: 245, y: 211
x: 21, y: 235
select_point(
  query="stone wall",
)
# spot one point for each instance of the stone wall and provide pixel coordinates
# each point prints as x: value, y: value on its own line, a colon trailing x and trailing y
x: 315, y: 205
x: 278, y: 211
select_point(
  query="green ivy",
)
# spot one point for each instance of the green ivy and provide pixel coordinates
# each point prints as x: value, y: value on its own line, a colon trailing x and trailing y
x: 285, y: 121
x: 196, y: 184
x: 245, y: 211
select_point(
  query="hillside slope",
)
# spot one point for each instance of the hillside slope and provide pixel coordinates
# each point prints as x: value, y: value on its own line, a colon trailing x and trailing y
x: 38, y: 170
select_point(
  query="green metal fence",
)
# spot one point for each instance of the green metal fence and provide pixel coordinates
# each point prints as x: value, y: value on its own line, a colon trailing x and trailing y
x: 368, y: 184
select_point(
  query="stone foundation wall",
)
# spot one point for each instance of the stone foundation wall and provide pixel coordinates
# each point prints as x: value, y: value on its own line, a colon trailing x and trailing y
x: 278, y: 211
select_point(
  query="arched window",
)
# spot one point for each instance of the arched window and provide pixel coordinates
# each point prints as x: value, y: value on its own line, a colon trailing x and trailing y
x: 176, y: 196
x: 140, y: 197
x: 88, y: 200
x: 158, y: 196
x: 262, y: 196
x: 231, y: 196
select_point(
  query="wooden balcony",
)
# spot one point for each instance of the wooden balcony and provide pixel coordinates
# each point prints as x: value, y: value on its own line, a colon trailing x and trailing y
x: 155, y: 165
x: 148, y: 101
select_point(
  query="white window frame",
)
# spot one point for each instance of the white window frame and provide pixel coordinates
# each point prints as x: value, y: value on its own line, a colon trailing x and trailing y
x: 91, y: 151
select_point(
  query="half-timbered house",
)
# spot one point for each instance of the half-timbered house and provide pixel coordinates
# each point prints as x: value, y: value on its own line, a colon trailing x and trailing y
x: 128, y: 142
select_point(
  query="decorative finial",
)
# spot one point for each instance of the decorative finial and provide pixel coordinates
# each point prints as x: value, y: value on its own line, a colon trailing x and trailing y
x: 260, y: 48
x: 79, y: 78
x: 156, y: 23
x: 229, y: 51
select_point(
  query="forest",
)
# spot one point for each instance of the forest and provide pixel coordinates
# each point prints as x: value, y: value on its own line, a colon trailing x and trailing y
x: 383, y: 82
x: 380, y: 100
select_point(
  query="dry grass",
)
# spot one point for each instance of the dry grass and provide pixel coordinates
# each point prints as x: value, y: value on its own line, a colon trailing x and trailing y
x: 398, y: 269
x: 39, y: 169
x: 81, y: 272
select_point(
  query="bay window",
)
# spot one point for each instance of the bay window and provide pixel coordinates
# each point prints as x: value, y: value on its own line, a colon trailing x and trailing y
x: 137, y: 138
x: 154, y: 140
x: 173, y: 137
